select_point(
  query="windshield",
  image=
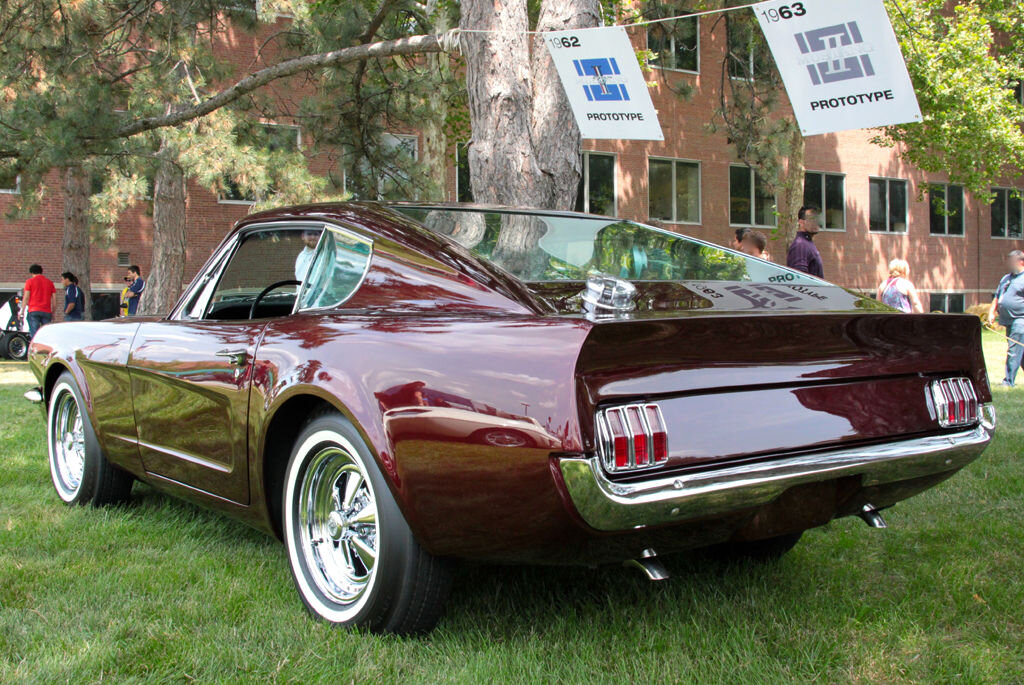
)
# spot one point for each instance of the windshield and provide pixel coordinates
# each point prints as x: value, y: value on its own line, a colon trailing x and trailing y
x: 570, y: 248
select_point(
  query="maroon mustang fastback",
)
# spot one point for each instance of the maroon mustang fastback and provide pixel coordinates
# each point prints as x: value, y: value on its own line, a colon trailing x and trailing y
x: 389, y: 388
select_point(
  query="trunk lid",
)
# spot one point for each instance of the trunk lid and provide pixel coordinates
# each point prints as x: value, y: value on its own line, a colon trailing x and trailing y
x: 737, y: 385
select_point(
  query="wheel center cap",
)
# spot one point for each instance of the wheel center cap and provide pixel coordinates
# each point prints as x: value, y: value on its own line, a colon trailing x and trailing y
x: 337, y: 524
x: 69, y: 441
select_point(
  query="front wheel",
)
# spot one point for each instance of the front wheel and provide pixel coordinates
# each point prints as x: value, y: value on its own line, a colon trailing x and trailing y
x: 80, y: 472
x: 354, y: 559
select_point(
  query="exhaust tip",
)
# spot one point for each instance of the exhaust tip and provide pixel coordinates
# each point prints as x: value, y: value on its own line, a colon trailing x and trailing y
x: 649, y: 565
x: 872, y: 517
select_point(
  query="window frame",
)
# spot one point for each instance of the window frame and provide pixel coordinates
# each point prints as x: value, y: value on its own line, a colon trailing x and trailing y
x: 675, y: 208
x: 753, y: 200
x: 672, y: 47
x: 945, y: 295
x: 751, y: 63
x: 963, y: 209
x: 16, y: 190
x: 888, y: 197
x: 221, y: 200
x: 1006, y: 227
x: 821, y: 203
x: 585, y: 180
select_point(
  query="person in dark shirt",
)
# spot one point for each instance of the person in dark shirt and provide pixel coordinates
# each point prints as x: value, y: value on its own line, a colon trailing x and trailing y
x: 74, y: 298
x: 1008, y: 300
x: 803, y: 255
x: 135, y: 288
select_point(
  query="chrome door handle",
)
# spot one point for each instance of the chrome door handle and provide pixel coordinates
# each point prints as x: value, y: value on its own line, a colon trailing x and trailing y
x: 237, y: 357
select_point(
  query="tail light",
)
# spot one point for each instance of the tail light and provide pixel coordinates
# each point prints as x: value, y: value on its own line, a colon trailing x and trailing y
x: 631, y: 437
x: 956, y: 403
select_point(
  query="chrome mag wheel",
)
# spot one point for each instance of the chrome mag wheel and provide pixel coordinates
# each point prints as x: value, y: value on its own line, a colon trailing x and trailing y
x: 337, y: 525
x: 66, y: 442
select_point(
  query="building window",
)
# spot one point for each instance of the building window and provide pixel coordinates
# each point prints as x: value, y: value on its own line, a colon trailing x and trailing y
x: 952, y: 303
x: 827, y: 191
x: 463, y: 189
x: 887, y: 212
x: 1006, y: 213
x: 673, y: 190
x: 946, y: 209
x: 751, y: 203
x: 124, y: 259
x: 272, y: 138
x: 10, y: 183
x: 596, y: 193
x: 748, y: 56
x: 676, y: 44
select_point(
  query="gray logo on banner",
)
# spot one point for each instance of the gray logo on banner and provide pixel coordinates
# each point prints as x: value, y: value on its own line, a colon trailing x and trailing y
x: 829, y: 39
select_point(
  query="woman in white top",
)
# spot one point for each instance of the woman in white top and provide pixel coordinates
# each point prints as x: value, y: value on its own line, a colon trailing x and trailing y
x: 897, y: 291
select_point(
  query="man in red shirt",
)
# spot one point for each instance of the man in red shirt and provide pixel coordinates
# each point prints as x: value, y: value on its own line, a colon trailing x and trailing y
x: 38, y: 299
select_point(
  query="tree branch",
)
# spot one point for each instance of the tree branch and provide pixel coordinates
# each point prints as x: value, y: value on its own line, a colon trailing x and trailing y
x: 403, y: 46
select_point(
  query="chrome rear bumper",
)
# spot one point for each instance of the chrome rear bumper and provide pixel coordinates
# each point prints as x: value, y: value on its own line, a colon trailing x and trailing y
x: 606, y: 505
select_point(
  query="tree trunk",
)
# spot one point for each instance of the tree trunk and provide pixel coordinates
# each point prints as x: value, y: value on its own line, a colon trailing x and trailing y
x: 556, y: 137
x: 791, y: 193
x: 167, y: 271
x: 75, y: 245
x: 501, y: 160
x: 526, y: 145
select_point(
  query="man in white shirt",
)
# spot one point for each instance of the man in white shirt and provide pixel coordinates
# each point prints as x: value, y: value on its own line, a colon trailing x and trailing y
x: 305, y: 258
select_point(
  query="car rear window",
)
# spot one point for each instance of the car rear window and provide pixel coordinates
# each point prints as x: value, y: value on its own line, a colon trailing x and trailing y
x: 537, y: 248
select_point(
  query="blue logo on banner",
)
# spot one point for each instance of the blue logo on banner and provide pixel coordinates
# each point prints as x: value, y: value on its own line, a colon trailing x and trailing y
x: 601, y: 69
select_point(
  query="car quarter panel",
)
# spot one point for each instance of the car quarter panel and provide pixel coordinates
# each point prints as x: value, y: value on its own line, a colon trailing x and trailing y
x: 462, y: 414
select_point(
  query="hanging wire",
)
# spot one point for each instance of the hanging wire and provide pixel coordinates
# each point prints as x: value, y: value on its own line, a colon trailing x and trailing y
x: 645, y: 22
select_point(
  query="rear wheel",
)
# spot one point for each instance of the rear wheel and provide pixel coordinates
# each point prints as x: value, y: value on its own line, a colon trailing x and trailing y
x: 16, y: 346
x: 352, y: 555
x: 80, y: 472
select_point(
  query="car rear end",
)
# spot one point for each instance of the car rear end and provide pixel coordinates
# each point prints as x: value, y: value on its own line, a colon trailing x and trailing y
x: 792, y: 419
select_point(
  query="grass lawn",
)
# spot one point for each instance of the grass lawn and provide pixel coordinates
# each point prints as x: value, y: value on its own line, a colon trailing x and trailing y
x: 162, y: 591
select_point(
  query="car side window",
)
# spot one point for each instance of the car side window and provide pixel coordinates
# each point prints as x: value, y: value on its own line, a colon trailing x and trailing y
x: 337, y: 269
x: 264, y: 258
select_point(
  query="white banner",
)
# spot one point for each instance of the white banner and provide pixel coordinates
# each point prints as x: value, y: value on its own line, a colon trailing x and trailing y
x: 840, y: 62
x: 604, y: 84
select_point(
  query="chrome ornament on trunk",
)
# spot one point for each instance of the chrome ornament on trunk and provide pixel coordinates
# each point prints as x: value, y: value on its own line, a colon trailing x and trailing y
x: 608, y: 296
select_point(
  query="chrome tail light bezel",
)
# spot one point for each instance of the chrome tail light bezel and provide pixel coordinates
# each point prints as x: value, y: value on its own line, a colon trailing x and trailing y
x: 954, y: 402
x: 627, y: 416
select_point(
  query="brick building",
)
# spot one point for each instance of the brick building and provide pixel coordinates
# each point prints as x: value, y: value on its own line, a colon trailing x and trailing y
x: 691, y: 183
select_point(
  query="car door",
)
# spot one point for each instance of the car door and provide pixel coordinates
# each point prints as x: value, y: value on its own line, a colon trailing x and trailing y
x: 191, y: 373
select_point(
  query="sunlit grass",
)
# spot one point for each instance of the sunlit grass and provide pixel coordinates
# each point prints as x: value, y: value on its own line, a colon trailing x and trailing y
x: 162, y: 591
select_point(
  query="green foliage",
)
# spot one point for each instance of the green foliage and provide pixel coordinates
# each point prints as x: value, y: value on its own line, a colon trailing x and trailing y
x: 963, y: 63
x: 358, y: 108
x: 101, y: 63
